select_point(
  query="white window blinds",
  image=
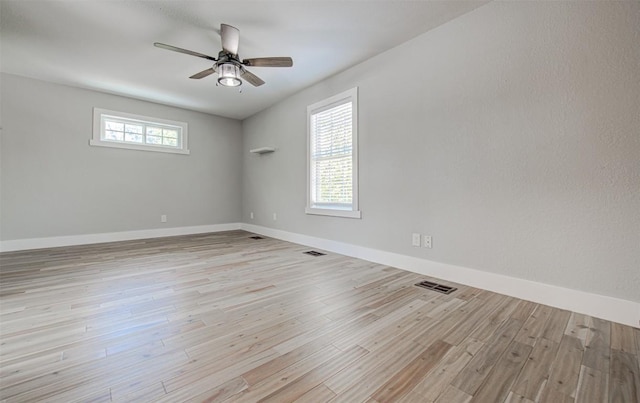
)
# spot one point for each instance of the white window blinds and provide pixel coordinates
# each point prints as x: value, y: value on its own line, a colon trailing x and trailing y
x: 331, y: 156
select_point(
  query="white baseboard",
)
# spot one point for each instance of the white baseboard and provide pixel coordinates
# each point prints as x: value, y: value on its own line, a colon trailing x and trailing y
x: 54, y: 242
x: 600, y: 306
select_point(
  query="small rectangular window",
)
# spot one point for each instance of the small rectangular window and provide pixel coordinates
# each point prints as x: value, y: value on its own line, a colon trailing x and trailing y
x: 332, y: 156
x: 126, y: 130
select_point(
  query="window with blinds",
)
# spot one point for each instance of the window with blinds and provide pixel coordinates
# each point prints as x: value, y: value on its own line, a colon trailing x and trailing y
x: 125, y: 130
x: 332, y: 156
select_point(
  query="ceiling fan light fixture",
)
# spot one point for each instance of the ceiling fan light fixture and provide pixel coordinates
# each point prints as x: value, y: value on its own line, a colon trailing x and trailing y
x: 228, y: 65
x: 229, y: 75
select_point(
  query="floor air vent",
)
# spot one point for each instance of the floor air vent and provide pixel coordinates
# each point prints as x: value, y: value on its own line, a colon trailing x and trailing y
x: 445, y: 289
x: 314, y: 253
x: 256, y: 237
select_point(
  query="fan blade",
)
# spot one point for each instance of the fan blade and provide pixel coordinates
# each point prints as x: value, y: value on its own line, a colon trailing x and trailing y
x: 269, y: 62
x: 230, y: 38
x: 251, y: 78
x: 185, y: 51
x: 204, y: 73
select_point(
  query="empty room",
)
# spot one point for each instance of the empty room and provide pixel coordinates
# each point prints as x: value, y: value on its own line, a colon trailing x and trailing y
x: 319, y: 201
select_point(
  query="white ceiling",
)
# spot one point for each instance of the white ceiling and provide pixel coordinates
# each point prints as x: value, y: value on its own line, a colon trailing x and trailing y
x: 108, y: 45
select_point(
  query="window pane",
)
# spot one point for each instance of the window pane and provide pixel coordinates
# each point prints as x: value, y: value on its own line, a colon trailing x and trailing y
x: 133, y: 138
x: 111, y: 135
x: 114, y: 126
x: 154, y: 140
x: 133, y: 129
x: 154, y: 131
x: 333, y: 180
x: 170, y: 133
x: 170, y: 142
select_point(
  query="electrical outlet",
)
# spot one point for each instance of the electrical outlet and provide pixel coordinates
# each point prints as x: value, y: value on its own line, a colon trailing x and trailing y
x: 251, y: 215
x: 275, y: 217
x: 415, y: 239
x: 163, y: 218
x: 427, y: 241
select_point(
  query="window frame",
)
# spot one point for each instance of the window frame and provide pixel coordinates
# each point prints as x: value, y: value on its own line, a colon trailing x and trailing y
x: 350, y: 95
x: 98, y: 136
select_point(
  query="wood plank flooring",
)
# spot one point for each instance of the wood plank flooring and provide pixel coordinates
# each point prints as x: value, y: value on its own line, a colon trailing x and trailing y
x: 222, y: 317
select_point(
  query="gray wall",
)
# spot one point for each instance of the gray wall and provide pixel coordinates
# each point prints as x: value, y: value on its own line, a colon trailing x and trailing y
x: 55, y: 184
x: 512, y: 138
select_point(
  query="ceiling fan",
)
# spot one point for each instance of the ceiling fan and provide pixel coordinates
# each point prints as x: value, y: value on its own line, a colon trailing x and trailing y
x: 230, y: 68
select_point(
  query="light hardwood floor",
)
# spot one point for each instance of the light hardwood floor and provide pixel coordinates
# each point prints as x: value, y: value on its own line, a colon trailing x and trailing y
x: 222, y: 317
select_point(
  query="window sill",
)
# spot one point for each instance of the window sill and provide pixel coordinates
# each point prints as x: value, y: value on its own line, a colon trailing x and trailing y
x: 137, y: 147
x: 334, y: 213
